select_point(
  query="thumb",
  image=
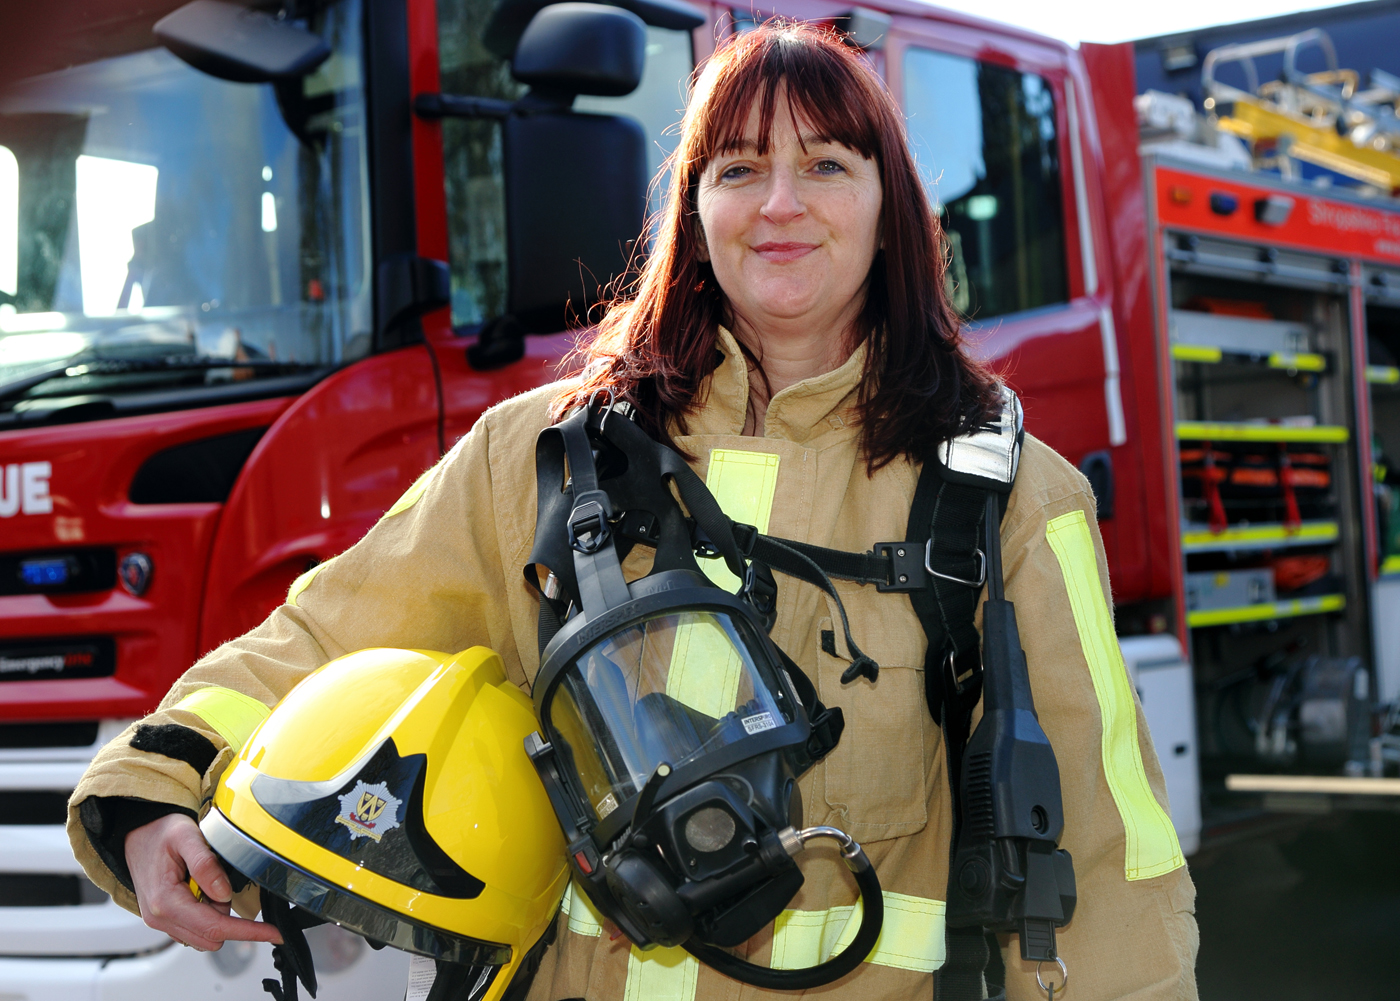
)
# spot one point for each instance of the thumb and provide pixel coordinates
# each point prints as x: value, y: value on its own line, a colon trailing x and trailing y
x: 204, y: 866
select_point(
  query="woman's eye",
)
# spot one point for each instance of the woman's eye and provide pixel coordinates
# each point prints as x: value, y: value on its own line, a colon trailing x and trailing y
x: 830, y: 167
x: 735, y: 173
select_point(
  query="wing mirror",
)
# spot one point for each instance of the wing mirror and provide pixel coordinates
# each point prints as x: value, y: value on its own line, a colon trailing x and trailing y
x: 234, y: 43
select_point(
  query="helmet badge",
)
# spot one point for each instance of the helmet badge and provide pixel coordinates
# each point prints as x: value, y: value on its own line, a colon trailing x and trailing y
x: 369, y: 811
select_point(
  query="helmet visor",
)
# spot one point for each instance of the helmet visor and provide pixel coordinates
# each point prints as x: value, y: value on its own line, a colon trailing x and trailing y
x: 670, y: 688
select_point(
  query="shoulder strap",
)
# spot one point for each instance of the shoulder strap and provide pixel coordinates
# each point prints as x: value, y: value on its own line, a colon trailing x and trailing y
x: 942, y: 566
x: 951, y: 499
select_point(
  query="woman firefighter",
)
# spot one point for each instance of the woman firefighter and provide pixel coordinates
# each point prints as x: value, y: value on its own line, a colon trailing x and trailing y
x: 790, y: 351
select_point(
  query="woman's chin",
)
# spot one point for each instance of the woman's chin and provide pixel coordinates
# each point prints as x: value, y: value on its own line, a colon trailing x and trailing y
x: 783, y: 302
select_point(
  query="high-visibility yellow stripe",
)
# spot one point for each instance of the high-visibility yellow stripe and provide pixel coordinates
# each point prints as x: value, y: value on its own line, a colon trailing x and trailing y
x: 911, y: 938
x: 1197, y: 352
x: 411, y: 495
x: 233, y: 715
x: 1263, y: 612
x: 1391, y: 564
x: 1257, y: 536
x: 1386, y: 374
x: 743, y: 483
x: 660, y: 975
x: 584, y: 918
x: 705, y: 669
x: 1222, y: 431
x: 303, y: 582
x: 1298, y: 361
x: 1151, y: 845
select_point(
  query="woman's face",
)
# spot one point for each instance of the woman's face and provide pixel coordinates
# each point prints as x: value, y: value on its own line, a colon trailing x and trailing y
x: 791, y: 234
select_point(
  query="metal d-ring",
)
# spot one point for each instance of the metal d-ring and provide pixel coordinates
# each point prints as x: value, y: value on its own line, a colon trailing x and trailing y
x: 981, y: 567
x: 1064, y: 977
x: 612, y: 400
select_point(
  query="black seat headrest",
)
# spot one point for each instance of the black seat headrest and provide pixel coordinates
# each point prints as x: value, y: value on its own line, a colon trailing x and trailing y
x: 509, y: 19
x: 582, y: 48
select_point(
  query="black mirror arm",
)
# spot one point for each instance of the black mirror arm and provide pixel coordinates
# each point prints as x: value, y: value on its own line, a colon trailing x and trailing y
x: 436, y: 106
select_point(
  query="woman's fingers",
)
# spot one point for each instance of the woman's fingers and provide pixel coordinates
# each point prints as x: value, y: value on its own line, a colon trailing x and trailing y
x: 173, y: 910
x: 161, y: 855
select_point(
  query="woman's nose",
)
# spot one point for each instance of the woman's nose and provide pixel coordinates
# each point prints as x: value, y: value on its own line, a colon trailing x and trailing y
x: 783, y: 203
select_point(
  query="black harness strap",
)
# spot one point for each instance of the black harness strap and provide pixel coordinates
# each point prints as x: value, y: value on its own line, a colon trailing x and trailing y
x: 952, y: 514
x: 946, y: 568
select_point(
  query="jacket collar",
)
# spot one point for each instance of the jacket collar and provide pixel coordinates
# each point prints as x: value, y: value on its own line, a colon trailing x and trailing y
x: 799, y: 412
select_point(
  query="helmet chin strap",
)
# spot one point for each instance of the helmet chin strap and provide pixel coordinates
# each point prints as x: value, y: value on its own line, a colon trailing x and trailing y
x: 292, y: 959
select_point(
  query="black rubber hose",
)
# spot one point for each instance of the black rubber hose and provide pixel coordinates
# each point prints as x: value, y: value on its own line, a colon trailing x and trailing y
x: 813, y: 976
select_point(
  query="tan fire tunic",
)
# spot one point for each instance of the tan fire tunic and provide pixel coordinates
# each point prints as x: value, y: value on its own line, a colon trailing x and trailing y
x: 442, y: 570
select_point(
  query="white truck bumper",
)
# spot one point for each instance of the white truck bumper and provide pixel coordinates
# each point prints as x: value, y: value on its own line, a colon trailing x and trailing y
x: 235, y: 973
x: 89, y: 949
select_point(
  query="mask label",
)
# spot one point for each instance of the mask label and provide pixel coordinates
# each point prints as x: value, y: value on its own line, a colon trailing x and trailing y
x: 759, y: 722
x: 369, y: 810
x: 422, y: 972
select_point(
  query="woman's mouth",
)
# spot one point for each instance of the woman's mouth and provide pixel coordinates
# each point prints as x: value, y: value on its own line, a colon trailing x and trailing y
x: 781, y: 253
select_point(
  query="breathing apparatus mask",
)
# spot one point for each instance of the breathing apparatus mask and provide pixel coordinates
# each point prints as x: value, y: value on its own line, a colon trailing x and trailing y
x: 673, y: 730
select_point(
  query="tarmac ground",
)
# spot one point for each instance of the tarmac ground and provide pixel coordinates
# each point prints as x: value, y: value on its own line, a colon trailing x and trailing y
x: 1295, y: 907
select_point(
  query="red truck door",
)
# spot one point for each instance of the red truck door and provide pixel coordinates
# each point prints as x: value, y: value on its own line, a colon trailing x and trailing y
x: 1001, y: 124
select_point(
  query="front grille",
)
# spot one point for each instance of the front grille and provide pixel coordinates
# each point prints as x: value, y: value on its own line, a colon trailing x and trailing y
x: 21, y: 735
x: 35, y: 889
x: 47, y: 659
x: 27, y: 806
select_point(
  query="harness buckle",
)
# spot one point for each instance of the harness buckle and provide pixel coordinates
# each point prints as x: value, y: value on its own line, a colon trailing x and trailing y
x: 907, y: 567
x: 588, y: 525
x: 981, y: 567
x: 960, y: 681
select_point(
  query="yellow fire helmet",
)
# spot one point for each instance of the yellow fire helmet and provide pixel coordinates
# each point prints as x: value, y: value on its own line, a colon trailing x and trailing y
x: 390, y: 793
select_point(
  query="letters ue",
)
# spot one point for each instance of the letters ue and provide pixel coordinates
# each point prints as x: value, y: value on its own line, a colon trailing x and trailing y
x: 24, y: 489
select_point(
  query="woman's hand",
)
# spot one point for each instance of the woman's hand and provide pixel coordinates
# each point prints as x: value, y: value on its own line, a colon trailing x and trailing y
x: 162, y: 855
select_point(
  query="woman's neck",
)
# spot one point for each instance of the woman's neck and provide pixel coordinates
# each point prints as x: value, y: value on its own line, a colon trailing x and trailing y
x: 786, y: 357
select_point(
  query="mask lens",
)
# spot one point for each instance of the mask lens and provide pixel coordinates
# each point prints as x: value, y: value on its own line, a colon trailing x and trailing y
x: 670, y: 688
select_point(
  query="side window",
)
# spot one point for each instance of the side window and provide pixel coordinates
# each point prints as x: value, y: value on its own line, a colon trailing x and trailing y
x: 985, y: 140
x: 476, y: 220
x: 9, y: 229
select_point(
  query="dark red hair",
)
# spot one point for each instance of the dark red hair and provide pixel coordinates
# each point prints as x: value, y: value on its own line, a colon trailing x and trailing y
x: 657, y: 342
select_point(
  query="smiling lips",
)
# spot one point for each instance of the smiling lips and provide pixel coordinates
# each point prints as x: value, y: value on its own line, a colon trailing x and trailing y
x: 781, y: 253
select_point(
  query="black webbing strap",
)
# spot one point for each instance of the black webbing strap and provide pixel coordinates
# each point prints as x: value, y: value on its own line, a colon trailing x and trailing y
x: 292, y: 959
x: 811, y: 563
x: 944, y: 535
x: 953, y: 516
x: 863, y: 568
x: 827, y: 723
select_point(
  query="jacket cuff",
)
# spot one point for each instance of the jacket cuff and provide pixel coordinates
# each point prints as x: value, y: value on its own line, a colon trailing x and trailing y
x: 122, y: 772
x: 109, y: 819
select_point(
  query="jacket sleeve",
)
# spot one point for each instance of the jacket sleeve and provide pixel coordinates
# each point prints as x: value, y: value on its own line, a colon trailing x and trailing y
x: 1133, y: 934
x: 428, y: 575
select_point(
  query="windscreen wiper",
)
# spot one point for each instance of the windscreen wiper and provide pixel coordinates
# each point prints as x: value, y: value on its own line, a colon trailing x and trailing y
x: 76, y: 367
